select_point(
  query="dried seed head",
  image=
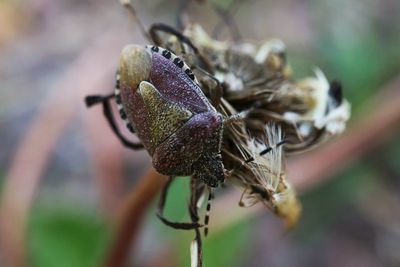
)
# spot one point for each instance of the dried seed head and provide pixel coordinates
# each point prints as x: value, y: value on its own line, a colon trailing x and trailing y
x: 286, y: 204
x: 323, y: 110
x: 271, y: 186
x: 269, y: 165
x: 256, y: 79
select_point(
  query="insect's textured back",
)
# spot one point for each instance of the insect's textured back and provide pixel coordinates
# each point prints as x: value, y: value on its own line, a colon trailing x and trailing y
x: 174, y: 84
x: 168, y: 94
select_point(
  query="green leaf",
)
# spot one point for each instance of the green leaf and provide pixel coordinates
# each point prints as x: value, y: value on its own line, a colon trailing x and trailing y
x: 65, y: 238
x: 323, y: 205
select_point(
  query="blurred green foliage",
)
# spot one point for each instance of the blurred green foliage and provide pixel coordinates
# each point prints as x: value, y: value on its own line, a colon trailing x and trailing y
x: 218, y: 248
x: 392, y: 156
x: 66, y: 237
x: 351, y: 61
x: 324, y: 204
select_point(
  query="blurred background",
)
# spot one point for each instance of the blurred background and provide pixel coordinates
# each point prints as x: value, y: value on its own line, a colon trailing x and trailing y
x: 65, y: 179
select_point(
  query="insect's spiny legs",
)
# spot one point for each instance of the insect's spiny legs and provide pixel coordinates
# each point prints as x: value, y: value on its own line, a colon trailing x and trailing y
x: 105, y: 101
x: 207, y: 216
x: 196, y: 193
x: 160, y: 211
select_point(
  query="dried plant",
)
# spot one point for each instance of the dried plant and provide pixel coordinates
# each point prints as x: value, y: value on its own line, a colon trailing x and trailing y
x: 266, y: 114
x: 371, y: 129
x: 255, y: 83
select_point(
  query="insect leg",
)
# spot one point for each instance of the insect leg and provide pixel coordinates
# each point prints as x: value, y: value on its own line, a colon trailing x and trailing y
x: 196, y: 189
x: 160, y: 211
x: 92, y: 100
x: 104, y: 100
x: 207, y: 217
x: 161, y: 27
x: 152, y: 35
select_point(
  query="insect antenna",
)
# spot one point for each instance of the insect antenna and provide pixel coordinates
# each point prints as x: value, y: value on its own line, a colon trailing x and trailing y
x: 207, y: 217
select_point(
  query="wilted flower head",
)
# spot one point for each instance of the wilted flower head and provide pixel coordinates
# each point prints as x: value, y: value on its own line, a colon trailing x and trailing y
x: 266, y: 181
x: 254, y: 83
x: 326, y: 109
x: 256, y: 79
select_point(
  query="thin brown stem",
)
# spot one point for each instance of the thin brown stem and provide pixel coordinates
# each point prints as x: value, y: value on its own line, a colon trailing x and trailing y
x: 131, y: 216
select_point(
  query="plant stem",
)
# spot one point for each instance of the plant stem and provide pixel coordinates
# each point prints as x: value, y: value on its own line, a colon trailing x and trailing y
x: 131, y: 215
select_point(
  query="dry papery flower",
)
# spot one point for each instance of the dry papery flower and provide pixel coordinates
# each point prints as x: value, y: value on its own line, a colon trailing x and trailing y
x: 273, y: 113
x: 267, y: 114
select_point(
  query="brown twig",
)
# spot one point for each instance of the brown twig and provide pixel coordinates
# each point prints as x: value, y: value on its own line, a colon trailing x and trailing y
x: 131, y: 216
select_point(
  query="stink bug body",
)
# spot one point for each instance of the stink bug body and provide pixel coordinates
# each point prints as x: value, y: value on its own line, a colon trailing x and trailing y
x: 161, y: 100
x: 159, y: 97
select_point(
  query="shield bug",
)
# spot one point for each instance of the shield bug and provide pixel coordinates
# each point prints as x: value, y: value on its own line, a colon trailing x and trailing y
x: 160, y: 100
x: 159, y: 97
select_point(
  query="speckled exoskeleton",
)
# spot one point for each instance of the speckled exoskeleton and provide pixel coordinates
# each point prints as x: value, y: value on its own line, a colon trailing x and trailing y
x: 160, y: 99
